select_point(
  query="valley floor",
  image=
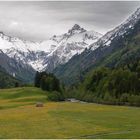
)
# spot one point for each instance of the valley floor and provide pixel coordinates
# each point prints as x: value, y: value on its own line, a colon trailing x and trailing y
x: 19, y: 118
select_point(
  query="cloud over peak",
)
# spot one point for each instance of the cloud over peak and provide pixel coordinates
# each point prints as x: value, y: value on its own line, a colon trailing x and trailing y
x: 40, y: 20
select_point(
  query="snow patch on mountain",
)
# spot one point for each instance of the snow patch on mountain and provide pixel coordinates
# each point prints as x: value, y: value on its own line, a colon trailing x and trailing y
x: 74, y: 42
x: 118, y: 31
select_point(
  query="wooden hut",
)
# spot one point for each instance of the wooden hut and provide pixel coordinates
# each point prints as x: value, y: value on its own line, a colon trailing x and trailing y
x: 39, y: 104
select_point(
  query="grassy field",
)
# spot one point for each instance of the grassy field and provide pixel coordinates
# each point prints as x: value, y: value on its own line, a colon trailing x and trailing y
x: 19, y: 118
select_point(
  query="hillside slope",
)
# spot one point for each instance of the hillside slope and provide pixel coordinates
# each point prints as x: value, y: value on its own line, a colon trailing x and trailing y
x: 113, y: 43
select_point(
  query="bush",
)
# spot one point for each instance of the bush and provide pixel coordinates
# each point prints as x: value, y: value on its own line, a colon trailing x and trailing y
x: 55, y: 96
x: 124, y: 98
x: 134, y: 100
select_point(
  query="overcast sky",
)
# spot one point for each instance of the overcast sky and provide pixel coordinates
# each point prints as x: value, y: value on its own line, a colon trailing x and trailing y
x: 40, y: 20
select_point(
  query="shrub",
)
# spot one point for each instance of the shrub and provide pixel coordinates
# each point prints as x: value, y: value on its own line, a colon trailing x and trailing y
x: 55, y: 96
x: 124, y: 98
x: 134, y: 100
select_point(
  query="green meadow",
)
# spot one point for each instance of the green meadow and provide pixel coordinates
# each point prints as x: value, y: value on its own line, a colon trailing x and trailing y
x: 20, y: 118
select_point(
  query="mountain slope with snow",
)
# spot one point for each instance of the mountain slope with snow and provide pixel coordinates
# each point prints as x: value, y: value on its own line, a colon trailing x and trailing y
x: 41, y: 55
x: 75, y: 41
x: 120, y: 30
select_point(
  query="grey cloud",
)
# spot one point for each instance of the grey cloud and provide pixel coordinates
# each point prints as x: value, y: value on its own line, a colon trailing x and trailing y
x: 40, y: 20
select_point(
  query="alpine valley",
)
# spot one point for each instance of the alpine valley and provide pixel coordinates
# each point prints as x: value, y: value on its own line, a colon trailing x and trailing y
x: 77, y: 85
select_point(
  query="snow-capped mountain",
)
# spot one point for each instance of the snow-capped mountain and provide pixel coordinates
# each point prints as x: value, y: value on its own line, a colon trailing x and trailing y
x: 49, y: 53
x: 73, y: 42
x: 18, y: 69
x: 121, y: 30
x: 22, y: 51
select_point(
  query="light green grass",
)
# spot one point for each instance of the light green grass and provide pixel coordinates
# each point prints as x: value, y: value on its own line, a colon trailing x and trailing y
x: 19, y: 118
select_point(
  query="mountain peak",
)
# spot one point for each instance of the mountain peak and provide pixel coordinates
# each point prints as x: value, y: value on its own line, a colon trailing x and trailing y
x: 76, y: 26
x: 76, y: 29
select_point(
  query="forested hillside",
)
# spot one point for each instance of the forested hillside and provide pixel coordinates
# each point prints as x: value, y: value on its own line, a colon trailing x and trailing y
x: 7, y: 81
x: 111, y: 86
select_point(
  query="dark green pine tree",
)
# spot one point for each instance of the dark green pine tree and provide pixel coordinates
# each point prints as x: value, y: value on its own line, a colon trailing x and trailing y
x: 56, y: 84
x: 37, y: 79
x: 43, y: 84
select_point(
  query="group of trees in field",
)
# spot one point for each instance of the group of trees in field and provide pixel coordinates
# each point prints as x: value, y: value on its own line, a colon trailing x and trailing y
x: 48, y: 82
